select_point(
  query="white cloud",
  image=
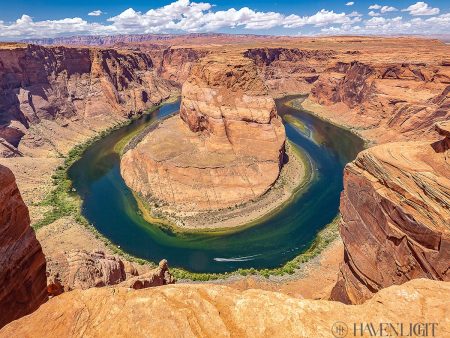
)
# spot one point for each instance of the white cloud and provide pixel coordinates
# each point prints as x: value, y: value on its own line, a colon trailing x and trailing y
x: 25, y: 27
x: 374, y: 6
x: 421, y: 8
x: 187, y: 16
x: 321, y: 18
x: 350, y: 3
x: 391, y: 26
x: 354, y: 14
x: 386, y: 9
x: 95, y: 13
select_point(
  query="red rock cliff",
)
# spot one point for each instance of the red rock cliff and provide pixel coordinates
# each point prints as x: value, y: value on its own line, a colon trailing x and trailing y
x: 22, y: 263
x: 395, y: 217
x: 59, y: 83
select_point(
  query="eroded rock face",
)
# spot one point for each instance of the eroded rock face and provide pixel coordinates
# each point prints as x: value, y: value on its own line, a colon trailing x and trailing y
x: 157, y: 277
x: 290, y: 70
x: 84, y: 270
x: 386, y: 102
x: 395, y: 217
x: 219, y: 311
x: 226, y: 149
x: 22, y: 262
x: 72, y: 84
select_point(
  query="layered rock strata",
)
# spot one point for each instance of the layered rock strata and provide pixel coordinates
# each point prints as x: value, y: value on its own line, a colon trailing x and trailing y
x: 361, y: 83
x: 22, y: 264
x: 395, y: 217
x: 386, y: 102
x: 219, y: 311
x: 225, y: 148
x: 67, y: 85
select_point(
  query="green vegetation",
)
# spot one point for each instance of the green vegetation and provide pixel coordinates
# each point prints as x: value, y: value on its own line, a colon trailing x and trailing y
x: 63, y: 201
x: 323, y: 239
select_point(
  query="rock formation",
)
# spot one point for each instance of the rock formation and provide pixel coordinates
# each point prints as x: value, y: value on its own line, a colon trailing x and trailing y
x: 68, y: 85
x: 226, y: 149
x: 219, y: 311
x: 290, y: 70
x: 395, y: 217
x: 361, y: 83
x: 84, y: 270
x: 157, y: 277
x: 386, y: 101
x: 22, y: 263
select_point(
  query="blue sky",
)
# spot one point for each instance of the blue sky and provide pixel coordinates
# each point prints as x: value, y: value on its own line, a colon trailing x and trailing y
x: 20, y: 19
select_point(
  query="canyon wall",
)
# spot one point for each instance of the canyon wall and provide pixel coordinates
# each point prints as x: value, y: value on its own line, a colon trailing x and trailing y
x: 219, y: 311
x: 368, y: 91
x: 290, y: 70
x: 69, y: 85
x: 387, y: 102
x: 226, y: 149
x: 395, y: 217
x: 22, y: 264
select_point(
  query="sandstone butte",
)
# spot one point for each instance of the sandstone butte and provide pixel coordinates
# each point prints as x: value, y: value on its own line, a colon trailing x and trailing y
x: 395, y: 211
x: 220, y: 311
x: 22, y: 262
x: 225, y: 148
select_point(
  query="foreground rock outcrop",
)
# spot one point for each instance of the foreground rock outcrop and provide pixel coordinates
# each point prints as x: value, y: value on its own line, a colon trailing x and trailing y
x: 395, y: 217
x: 218, y: 311
x: 79, y: 269
x: 226, y: 149
x: 22, y: 264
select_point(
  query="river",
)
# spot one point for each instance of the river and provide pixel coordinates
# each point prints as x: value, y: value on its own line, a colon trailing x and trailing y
x: 110, y: 206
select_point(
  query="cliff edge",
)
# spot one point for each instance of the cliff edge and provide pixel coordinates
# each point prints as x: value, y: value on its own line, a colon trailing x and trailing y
x: 22, y: 263
x: 395, y: 217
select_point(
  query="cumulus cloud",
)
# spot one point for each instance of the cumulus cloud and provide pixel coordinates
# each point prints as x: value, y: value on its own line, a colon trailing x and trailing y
x: 350, y: 3
x: 25, y: 27
x: 421, y: 8
x: 398, y: 25
x: 386, y: 9
x: 95, y: 13
x: 187, y: 16
x: 321, y: 18
x: 178, y: 16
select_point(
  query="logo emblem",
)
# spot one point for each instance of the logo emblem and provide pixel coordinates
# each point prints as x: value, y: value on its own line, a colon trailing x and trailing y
x: 339, y: 329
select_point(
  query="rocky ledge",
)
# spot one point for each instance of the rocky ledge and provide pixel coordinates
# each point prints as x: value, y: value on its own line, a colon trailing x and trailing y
x: 79, y: 269
x: 219, y: 311
x: 22, y: 263
x: 395, y: 217
x: 225, y: 148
